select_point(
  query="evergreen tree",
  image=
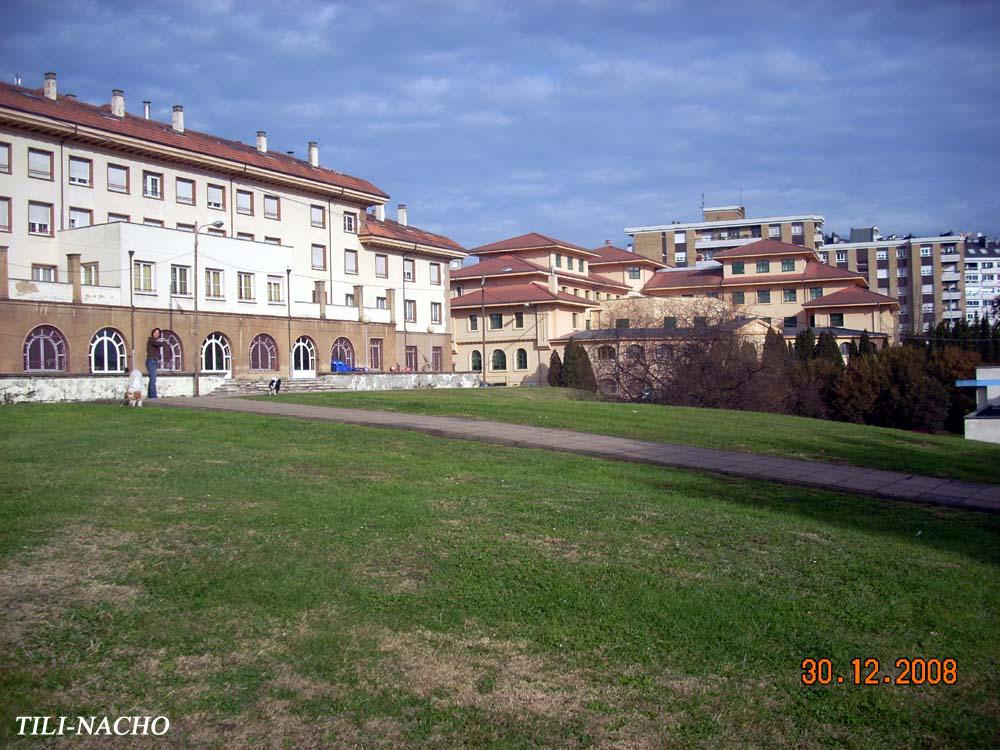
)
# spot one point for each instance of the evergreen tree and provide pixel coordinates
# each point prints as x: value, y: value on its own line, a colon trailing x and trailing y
x: 805, y: 345
x: 852, y: 352
x: 556, y: 378
x: 577, y: 370
x: 865, y: 347
x: 828, y: 350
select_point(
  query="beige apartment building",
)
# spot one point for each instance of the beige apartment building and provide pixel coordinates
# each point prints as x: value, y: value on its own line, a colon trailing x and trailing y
x: 254, y: 263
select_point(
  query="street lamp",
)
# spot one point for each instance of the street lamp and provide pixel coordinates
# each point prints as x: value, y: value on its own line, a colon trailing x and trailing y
x: 194, y: 324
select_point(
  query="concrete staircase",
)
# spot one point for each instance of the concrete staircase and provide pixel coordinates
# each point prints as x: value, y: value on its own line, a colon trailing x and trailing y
x: 288, y: 385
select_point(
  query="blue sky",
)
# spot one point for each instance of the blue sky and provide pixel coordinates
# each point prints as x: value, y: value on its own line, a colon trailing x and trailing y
x: 492, y: 119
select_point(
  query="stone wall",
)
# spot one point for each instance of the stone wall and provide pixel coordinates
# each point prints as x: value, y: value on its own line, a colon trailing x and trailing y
x: 15, y: 389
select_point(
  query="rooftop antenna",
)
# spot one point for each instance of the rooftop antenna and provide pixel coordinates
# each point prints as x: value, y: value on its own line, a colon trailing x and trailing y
x: 703, y: 203
x: 741, y: 196
x: 17, y: 79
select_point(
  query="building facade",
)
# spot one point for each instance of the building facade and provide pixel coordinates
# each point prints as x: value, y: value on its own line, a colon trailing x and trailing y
x: 982, y: 278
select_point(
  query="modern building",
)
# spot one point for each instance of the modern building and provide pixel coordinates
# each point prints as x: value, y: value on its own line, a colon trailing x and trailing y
x: 679, y: 244
x: 982, y: 278
x: 252, y: 262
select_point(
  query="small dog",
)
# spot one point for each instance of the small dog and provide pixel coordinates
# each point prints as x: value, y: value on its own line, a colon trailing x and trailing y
x: 133, y: 392
x: 274, y: 387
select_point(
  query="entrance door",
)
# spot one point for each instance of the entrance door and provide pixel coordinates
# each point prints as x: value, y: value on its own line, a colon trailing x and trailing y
x: 304, y: 358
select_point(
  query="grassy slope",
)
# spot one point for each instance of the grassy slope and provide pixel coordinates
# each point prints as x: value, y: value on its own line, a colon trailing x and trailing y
x: 315, y: 583
x: 775, y: 434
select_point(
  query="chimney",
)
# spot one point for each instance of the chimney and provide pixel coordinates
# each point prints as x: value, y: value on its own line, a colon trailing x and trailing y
x: 117, y: 102
x: 313, y: 154
x: 401, y: 214
x: 50, y: 86
x: 380, y: 212
x: 607, y: 243
x: 553, y: 281
x: 145, y: 109
x: 178, y: 122
x: 262, y: 141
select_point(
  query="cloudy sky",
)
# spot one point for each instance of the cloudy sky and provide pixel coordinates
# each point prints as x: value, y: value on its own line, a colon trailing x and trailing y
x: 492, y: 119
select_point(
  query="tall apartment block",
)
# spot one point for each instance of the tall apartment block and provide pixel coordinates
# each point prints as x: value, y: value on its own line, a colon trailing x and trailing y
x: 982, y: 277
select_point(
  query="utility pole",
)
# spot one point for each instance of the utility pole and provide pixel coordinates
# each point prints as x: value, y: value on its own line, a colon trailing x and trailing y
x: 482, y: 322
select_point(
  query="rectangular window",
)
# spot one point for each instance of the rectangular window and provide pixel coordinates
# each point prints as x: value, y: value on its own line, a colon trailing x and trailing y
x: 216, y: 197
x: 815, y: 292
x: 435, y: 312
x: 180, y: 281
x: 576, y: 320
x: 411, y: 358
x: 774, y: 231
x: 185, y: 227
x: 152, y: 222
x: 558, y: 260
x: 788, y: 295
x: 184, y: 190
x: 272, y: 207
x: 274, y: 289
x: 5, y: 215
x: 580, y: 265
x: 375, y: 354
x: 881, y: 255
x: 841, y: 256
x: 272, y: 240
x: 791, y: 321
x: 925, y: 251
x: 245, y: 236
x: 787, y: 265
x: 409, y: 272
x: 42, y: 273
x: 382, y: 266
x: 738, y: 267
x: 351, y: 223
x: 213, y: 283
x: 152, y: 185
x: 739, y: 298
x: 245, y: 283
x: 351, y: 261
x: 763, y: 297
x: 349, y: 300
x: 927, y: 270
x: 496, y: 321
x: 634, y: 272
x: 39, y: 164
x: 437, y: 358
x: 681, y: 259
x: 40, y: 218
x: 763, y: 266
x: 80, y: 217
x: 142, y: 276
x: 410, y: 310
x: 901, y: 252
x: 796, y: 229
x: 837, y: 320
x: 519, y: 320
x: 670, y: 321
x: 81, y: 171
x: 317, y: 216
x: 118, y: 179
x: 435, y: 274
x: 381, y: 303
x: 319, y: 257
x: 473, y: 322
x: 244, y: 202
x: 90, y: 274
x: 5, y: 158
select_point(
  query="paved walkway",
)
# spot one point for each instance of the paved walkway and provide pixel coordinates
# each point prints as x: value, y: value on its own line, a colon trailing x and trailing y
x: 816, y: 474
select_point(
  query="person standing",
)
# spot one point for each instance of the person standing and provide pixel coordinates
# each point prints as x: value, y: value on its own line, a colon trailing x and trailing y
x: 154, y: 349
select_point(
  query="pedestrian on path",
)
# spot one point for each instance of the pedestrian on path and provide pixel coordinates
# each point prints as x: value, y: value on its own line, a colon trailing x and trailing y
x: 154, y: 350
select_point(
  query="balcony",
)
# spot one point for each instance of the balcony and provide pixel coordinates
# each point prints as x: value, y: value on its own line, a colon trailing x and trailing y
x: 951, y: 295
x: 48, y: 291
x: 951, y: 276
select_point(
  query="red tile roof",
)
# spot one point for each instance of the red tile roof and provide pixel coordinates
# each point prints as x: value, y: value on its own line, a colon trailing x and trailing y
x: 517, y: 293
x: 695, y: 277
x: 392, y: 230
x: 612, y: 254
x: 495, y: 265
x: 529, y: 241
x: 75, y: 112
x: 814, y: 271
x: 851, y: 296
x: 763, y: 247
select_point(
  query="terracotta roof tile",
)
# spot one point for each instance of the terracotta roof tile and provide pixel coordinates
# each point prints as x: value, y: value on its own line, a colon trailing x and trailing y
x: 517, y: 293
x: 851, y: 296
x: 695, y: 277
x: 763, y: 247
x: 814, y: 271
x: 612, y: 254
x: 528, y: 241
x: 495, y: 264
x: 392, y: 230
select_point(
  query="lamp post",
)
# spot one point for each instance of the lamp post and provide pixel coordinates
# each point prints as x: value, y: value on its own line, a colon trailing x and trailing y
x: 482, y: 322
x: 288, y: 297
x: 194, y: 321
x: 131, y: 300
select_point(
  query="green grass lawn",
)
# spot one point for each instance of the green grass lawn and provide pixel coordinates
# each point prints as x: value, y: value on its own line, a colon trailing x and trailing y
x: 267, y: 581
x: 774, y: 434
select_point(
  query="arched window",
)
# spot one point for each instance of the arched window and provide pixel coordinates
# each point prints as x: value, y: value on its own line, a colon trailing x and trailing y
x: 845, y: 349
x: 635, y: 352
x: 606, y: 352
x: 521, y: 360
x: 304, y: 357
x: 216, y: 356
x: 107, y: 351
x: 263, y: 353
x: 477, y: 361
x: 45, y: 350
x: 342, y: 351
x: 498, y: 360
x: 171, y: 354
x: 664, y: 351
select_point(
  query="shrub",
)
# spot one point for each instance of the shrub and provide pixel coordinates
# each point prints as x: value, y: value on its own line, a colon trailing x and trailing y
x: 555, y: 377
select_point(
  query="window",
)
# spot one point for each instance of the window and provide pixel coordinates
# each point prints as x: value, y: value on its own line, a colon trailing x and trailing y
x: 244, y: 202
x: 41, y: 272
x: 80, y: 217
x: 435, y: 312
x: 622, y: 323
x: 213, y: 283
x: 350, y: 223
x: 5, y: 214
x: 797, y: 229
x: 824, y: 257
x: 351, y: 261
x: 107, y: 351
x: 634, y: 272
x: 519, y: 320
x: 635, y: 352
x: 152, y: 185
x: 815, y: 292
x: 118, y: 179
x: 81, y: 171
x: 317, y: 216
x: 774, y: 231
x: 496, y: 321
x: 272, y: 240
x: 263, y: 353
x: 39, y: 164
x: 143, y: 273
x: 375, y: 354
x: 381, y: 303
x: 576, y: 320
x: 738, y: 267
x: 473, y: 322
x: 841, y: 256
x: 90, y: 274
x: 763, y: 266
x: 410, y: 310
x: 739, y: 298
x: 382, y: 266
x: 180, y: 280
x: 901, y: 271
x: 274, y: 289
x: 680, y: 238
x: 435, y: 269
x: 185, y: 227
x: 342, y: 352
x: 245, y: 290
x: 901, y: 252
x: 787, y: 265
x: 837, y: 320
x: 216, y: 356
x: 409, y: 270
x: 521, y: 359
x: 5, y: 158
x: 927, y: 270
x: 272, y: 207
x: 498, y: 360
x: 579, y: 264
x: 304, y: 356
x: 152, y: 222
x: 606, y: 353
x: 349, y: 299
x: 40, y: 218
x: 558, y: 260
x: 184, y: 190
x: 791, y: 321
x: 112, y: 218
x: 925, y: 251
x: 788, y: 295
x: 437, y: 359
x: 763, y: 297
x: 319, y: 257
x: 411, y: 358
x: 245, y: 236
x: 216, y: 197
x: 476, y: 361
x: 670, y: 321
x: 881, y: 255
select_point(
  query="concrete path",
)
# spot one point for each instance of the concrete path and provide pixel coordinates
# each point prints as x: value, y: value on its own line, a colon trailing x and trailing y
x: 816, y: 474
